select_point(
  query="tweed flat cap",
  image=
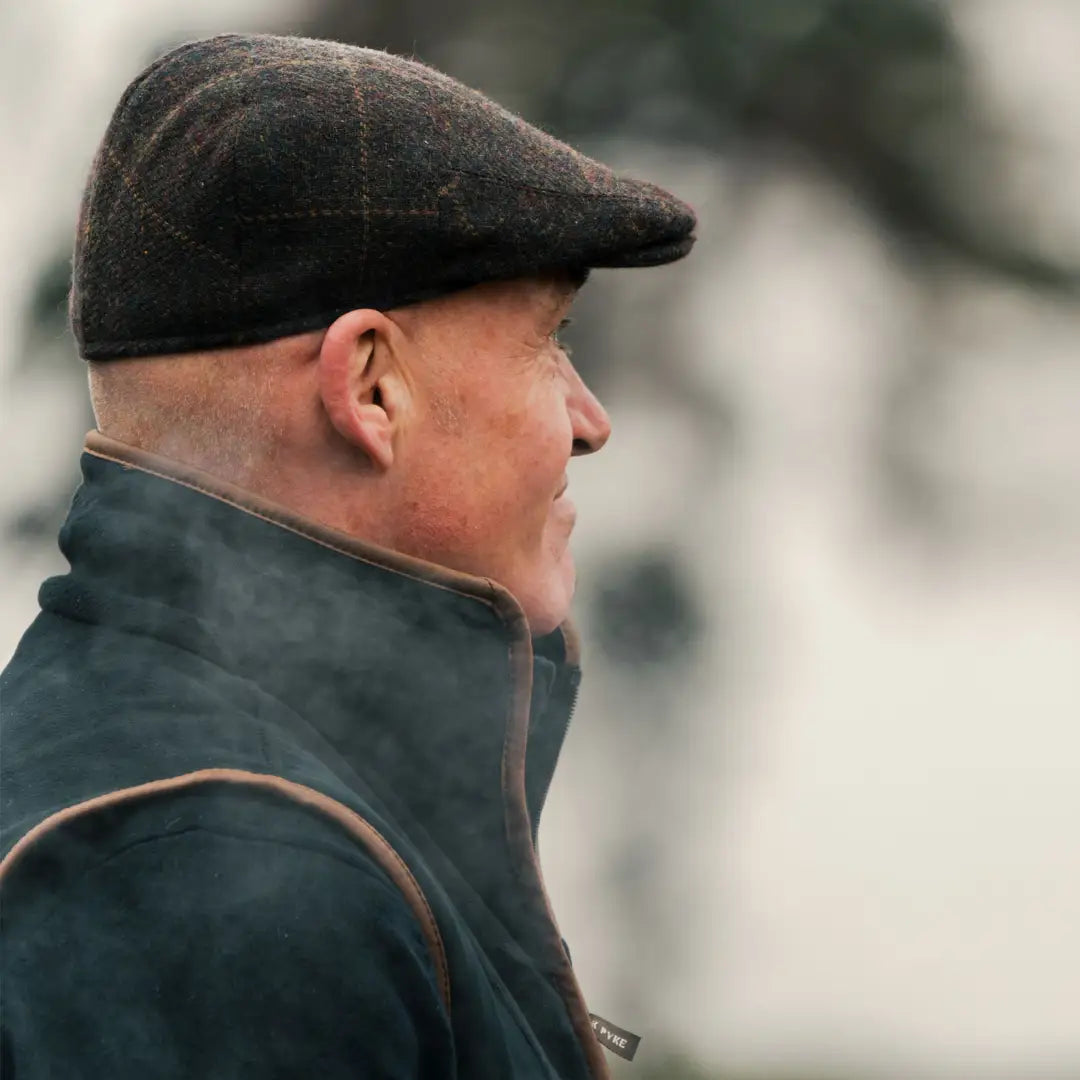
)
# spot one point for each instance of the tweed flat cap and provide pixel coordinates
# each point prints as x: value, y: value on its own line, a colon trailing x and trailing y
x: 253, y: 186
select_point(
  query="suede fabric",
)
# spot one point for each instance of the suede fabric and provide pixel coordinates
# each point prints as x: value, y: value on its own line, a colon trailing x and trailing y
x: 222, y: 931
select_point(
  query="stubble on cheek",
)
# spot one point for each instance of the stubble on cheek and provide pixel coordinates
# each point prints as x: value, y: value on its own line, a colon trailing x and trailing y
x: 448, y: 413
x: 440, y: 530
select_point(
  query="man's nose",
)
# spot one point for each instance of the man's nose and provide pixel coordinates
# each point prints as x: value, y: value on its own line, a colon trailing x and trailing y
x: 592, y: 425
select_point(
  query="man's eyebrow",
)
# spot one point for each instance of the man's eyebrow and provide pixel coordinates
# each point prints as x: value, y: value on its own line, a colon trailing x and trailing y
x: 569, y: 282
x: 562, y: 290
x: 567, y: 288
x: 560, y: 299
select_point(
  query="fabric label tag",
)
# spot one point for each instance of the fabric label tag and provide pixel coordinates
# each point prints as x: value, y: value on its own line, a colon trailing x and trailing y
x: 617, y: 1040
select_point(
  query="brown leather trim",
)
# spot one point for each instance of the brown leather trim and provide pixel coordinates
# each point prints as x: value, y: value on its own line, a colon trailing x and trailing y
x: 349, y: 820
x: 206, y: 484
x: 519, y: 833
x: 483, y: 589
x: 571, y: 643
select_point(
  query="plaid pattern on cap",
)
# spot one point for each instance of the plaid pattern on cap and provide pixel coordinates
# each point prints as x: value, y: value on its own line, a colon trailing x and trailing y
x: 250, y: 187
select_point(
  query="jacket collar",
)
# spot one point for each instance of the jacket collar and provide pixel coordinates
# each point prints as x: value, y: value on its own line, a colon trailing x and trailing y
x: 421, y: 678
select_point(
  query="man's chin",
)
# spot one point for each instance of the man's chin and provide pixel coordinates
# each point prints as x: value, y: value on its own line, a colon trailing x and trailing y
x: 550, y: 607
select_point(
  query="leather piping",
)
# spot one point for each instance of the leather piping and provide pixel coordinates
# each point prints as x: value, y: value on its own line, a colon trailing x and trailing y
x: 499, y: 599
x: 519, y: 836
x: 188, y: 476
x: 349, y: 820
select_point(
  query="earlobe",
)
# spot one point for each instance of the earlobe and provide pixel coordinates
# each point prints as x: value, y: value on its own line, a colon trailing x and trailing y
x: 355, y: 364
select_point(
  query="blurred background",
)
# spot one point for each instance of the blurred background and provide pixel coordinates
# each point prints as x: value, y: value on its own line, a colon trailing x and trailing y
x: 817, y: 816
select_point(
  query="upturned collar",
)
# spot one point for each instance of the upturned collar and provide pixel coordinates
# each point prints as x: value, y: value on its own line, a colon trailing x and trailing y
x: 422, y: 678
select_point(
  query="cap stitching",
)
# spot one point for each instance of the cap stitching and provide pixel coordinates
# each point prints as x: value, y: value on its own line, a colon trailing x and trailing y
x: 358, y: 97
x: 247, y: 69
x: 349, y: 211
x: 485, y: 177
x: 238, y: 281
x: 148, y: 208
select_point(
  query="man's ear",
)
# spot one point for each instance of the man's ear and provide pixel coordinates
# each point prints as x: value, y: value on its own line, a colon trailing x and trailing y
x: 360, y: 384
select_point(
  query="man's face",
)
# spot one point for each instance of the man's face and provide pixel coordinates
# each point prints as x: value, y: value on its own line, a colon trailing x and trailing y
x: 498, y: 410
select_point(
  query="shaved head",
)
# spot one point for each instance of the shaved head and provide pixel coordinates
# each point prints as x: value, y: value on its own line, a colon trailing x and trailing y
x: 219, y: 410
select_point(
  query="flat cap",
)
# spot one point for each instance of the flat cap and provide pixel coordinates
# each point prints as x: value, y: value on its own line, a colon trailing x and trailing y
x: 254, y: 186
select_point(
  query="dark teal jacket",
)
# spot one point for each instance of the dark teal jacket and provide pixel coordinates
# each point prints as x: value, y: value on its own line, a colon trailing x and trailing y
x: 270, y: 799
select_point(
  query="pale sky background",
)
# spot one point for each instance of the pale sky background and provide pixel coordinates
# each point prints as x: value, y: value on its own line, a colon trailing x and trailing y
x: 872, y: 848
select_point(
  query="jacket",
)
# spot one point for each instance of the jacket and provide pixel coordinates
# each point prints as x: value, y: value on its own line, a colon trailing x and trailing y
x: 270, y: 800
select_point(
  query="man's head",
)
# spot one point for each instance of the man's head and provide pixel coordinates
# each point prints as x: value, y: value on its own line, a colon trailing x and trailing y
x: 333, y: 276
x: 442, y: 430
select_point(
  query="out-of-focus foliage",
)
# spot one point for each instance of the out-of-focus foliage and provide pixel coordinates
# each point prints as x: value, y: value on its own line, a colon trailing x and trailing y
x: 647, y: 612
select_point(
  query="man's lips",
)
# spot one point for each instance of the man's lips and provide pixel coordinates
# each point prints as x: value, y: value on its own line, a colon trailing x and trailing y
x: 564, y: 506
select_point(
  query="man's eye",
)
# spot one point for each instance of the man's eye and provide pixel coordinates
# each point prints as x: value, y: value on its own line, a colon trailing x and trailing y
x: 557, y: 331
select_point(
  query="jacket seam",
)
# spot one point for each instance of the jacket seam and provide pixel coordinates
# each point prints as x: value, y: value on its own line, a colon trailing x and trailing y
x: 299, y: 794
x: 125, y: 849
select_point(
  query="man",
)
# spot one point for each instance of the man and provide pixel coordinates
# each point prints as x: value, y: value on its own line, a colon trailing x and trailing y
x: 276, y: 748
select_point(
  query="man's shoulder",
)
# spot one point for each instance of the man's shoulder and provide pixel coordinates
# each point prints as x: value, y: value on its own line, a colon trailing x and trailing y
x: 228, y: 862
x: 104, y: 751
x: 226, y: 816
x: 224, y: 923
